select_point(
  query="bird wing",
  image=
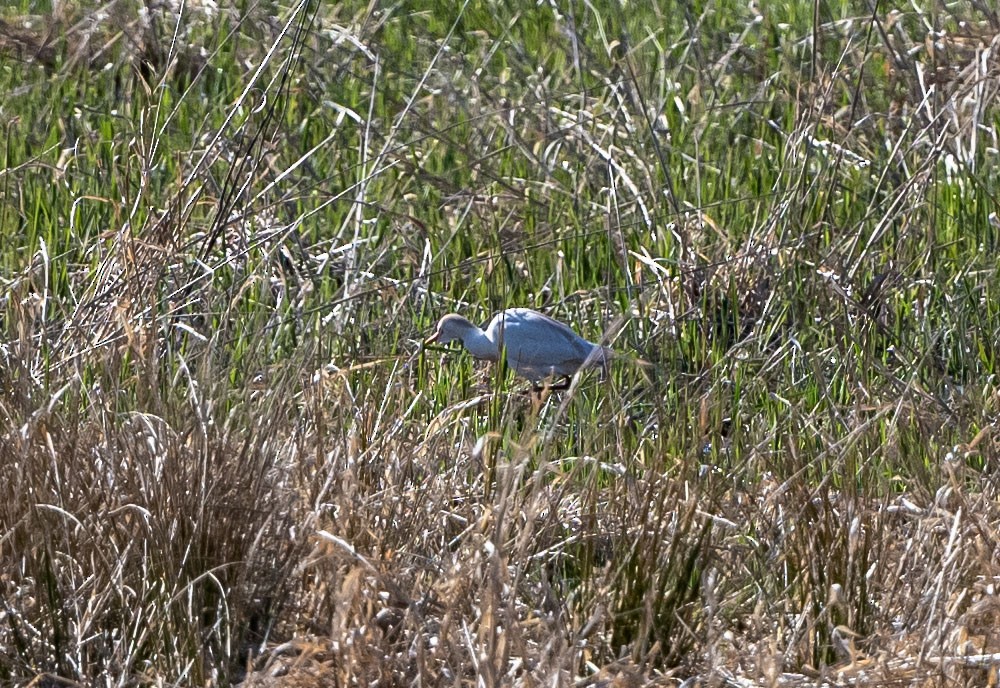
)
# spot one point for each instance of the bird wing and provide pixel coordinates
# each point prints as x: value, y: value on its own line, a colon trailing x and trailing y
x: 538, y: 345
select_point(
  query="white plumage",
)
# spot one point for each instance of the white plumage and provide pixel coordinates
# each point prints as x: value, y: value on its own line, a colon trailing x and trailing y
x: 537, y: 346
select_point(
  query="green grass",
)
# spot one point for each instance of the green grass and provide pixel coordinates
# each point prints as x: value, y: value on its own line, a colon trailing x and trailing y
x: 227, y: 456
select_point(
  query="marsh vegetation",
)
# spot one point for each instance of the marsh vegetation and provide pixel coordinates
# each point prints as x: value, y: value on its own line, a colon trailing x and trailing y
x: 226, y: 228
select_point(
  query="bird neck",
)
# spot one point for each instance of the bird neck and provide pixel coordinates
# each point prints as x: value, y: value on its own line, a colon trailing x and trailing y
x: 479, y: 345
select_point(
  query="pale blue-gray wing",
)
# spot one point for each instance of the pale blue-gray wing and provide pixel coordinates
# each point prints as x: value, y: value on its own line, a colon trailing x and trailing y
x: 538, y: 346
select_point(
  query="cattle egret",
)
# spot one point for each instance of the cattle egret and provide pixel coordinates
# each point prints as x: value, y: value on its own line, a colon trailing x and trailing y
x: 537, y: 346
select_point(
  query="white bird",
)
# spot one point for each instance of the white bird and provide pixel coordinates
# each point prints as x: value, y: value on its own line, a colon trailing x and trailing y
x: 537, y: 346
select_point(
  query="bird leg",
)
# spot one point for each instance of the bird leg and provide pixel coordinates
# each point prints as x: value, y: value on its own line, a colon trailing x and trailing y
x: 563, y: 385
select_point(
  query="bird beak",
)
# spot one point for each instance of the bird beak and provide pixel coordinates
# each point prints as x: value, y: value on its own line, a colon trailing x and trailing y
x: 433, y: 338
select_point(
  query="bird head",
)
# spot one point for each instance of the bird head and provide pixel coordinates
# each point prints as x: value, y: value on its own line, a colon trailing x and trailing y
x: 450, y: 328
